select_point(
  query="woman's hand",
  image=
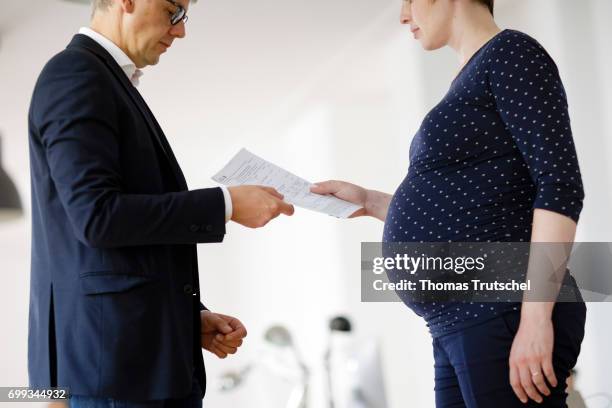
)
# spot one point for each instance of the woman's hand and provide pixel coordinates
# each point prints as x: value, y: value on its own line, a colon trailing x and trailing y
x: 531, y: 358
x: 532, y: 349
x: 344, y: 191
x: 374, y: 203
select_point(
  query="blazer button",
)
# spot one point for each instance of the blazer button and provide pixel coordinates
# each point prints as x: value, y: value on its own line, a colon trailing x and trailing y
x: 209, y: 228
x: 194, y: 228
x: 188, y: 289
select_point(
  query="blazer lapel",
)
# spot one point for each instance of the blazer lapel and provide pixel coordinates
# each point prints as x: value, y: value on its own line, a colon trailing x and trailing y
x: 82, y: 41
x: 161, y: 137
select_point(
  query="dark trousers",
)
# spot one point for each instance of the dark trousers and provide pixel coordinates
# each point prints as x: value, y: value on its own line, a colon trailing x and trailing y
x: 472, y: 369
x: 193, y: 400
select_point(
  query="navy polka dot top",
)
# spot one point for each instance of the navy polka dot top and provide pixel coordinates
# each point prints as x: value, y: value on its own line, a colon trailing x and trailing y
x: 498, y: 145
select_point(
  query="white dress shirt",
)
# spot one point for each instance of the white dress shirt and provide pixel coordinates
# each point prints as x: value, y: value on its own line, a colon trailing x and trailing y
x: 134, y: 74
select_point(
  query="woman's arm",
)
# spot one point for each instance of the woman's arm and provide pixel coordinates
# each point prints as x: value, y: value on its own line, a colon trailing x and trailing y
x: 530, y: 98
x: 531, y: 354
x: 375, y: 203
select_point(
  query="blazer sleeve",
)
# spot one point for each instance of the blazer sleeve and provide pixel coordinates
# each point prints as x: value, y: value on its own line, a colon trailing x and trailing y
x: 74, y: 113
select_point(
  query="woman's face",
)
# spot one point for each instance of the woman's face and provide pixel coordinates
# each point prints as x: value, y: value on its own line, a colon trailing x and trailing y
x: 430, y: 21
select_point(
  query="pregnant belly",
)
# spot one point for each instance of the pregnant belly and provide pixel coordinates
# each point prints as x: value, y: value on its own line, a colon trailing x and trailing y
x: 414, y: 216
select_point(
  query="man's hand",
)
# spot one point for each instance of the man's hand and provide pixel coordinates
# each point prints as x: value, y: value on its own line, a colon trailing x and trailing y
x: 221, y: 334
x: 531, y: 365
x: 255, y: 206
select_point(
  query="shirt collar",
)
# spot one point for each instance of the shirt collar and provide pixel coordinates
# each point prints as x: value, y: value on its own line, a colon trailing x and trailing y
x: 126, y: 64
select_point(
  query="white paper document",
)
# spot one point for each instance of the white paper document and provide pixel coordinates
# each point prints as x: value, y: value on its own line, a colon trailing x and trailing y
x: 246, y: 168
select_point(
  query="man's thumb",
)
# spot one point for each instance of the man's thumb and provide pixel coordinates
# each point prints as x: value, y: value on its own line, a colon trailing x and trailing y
x: 222, y: 326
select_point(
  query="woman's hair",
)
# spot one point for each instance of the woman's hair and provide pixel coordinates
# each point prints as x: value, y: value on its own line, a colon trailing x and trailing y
x: 488, y: 3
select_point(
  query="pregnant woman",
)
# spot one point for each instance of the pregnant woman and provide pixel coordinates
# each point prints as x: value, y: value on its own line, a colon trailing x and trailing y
x: 493, y: 161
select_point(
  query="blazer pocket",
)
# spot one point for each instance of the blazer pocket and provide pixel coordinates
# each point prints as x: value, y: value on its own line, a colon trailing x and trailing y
x: 96, y: 283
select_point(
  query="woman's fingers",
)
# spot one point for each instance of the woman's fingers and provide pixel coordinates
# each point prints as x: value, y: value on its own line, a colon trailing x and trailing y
x: 531, y: 368
x: 360, y: 212
x: 537, y: 377
x: 527, y: 384
x: 515, y: 383
x: 326, y: 187
x: 549, y: 372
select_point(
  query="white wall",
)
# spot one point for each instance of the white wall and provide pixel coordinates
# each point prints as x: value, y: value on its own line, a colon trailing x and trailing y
x: 328, y: 90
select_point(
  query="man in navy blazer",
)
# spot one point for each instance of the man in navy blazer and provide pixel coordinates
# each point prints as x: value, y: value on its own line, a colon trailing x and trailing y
x: 115, y: 311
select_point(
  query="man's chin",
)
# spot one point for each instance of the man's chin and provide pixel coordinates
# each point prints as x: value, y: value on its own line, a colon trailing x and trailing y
x: 154, y: 60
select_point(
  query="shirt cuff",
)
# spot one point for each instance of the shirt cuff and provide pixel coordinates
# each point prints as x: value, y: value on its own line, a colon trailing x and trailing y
x: 228, y: 203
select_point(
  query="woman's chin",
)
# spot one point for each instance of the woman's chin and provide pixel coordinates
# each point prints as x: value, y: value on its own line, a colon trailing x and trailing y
x: 429, y: 46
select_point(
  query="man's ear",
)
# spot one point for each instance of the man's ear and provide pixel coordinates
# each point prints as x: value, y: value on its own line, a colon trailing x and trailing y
x: 127, y: 5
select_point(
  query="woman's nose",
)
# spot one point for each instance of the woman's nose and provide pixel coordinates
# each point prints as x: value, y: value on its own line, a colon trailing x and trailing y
x: 405, y: 16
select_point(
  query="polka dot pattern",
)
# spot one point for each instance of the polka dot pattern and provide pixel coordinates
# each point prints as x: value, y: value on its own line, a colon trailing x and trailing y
x: 498, y: 145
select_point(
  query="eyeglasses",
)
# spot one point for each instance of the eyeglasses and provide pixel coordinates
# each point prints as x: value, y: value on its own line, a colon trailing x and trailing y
x: 179, y: 15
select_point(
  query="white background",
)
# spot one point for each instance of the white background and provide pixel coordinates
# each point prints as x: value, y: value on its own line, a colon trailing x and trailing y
x: 327, y: 89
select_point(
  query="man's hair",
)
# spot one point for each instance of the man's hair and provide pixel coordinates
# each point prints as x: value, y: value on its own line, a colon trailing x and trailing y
x: 105, y: 4
x: 101, y: 4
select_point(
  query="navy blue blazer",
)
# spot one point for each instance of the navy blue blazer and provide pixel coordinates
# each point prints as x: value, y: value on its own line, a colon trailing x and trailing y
x: 114, y: 294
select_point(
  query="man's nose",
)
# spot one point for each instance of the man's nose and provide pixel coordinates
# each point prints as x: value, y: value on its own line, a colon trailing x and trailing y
x: 405, y: 16
x: 178, y: 30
